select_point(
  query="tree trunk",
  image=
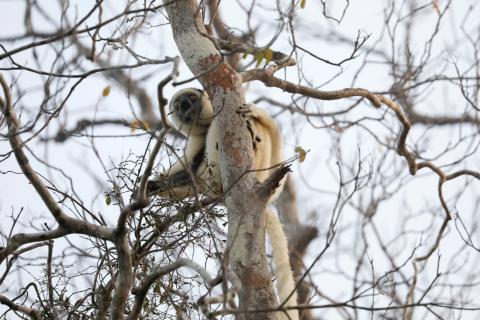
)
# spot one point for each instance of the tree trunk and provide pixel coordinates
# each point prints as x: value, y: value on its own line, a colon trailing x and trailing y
x: 246, y: 253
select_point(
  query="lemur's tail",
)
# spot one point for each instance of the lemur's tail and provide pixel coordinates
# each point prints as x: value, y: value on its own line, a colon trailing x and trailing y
x: 283, y: 270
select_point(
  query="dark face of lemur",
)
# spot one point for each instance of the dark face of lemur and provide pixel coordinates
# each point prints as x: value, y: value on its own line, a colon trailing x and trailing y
x: 188, y: 107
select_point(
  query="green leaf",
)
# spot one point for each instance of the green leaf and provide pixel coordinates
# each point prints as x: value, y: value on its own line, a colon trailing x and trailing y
x: 108, y: 199
x: 258, y: 58
x: 303, y: 3
x: 302, y: 154
x: 268, y: 54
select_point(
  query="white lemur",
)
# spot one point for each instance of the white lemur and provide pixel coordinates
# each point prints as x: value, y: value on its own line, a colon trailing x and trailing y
x: 192, y: 114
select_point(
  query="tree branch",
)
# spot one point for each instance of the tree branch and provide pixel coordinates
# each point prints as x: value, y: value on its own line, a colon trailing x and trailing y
x: 72, y: 225
x: 141, y: 291
x: 266, y: 76
x: 20, y: 239
x: 246, y: 210
x: 32, y: 313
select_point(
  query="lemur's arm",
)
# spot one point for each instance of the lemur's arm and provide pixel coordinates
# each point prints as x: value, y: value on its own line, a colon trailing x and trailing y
x: 177, y: 183
x: 192, y: 114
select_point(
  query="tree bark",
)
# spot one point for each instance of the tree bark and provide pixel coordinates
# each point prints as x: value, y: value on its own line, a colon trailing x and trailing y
x: 246, y: 253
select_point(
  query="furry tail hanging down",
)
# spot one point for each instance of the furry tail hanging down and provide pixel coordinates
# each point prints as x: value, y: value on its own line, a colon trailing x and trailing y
x: 283, y: 271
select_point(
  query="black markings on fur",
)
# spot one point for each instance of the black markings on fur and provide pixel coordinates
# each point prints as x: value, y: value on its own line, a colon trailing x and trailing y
x: 179, y: 179
x: 184, y: 177
x: 197, y: 160
x: 188, y: 109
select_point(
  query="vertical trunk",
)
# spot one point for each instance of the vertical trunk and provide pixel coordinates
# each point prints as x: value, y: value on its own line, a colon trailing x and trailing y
x: 246, y: 253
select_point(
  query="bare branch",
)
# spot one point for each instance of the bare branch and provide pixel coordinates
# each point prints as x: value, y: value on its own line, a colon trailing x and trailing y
x: 32, y: 313
x: 66, y: 222
x: 140, y: 291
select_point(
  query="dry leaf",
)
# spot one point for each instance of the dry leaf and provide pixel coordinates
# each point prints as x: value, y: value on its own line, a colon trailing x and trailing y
x: 106, y: 91
x: 134, y: 126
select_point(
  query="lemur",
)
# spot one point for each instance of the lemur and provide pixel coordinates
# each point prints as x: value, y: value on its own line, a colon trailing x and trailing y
x: 192, y: 114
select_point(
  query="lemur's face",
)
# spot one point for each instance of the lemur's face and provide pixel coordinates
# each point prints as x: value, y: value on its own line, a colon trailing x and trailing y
x: 188, y: 106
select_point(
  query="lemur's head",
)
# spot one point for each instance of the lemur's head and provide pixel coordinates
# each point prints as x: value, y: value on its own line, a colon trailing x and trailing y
x: 191, y: 110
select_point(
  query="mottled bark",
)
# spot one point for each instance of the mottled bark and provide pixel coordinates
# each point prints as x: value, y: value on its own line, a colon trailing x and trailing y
x: 246, y: 206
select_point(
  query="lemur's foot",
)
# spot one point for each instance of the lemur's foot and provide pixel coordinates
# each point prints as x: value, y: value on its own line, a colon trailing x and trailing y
x: 246, y: 111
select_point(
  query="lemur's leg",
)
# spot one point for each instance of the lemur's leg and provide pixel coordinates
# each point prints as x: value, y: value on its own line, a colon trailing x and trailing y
x: 248, y: 113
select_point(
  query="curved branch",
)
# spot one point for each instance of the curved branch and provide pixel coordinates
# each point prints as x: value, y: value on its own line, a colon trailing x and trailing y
x: 141, y: 291
x: 32, y: 313
x: 20, y: 239
x: 266, y: 76
x: 70, y: 224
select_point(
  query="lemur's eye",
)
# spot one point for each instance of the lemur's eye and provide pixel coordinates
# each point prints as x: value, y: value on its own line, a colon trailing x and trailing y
x: 176, y: 104
x: 193, y: 97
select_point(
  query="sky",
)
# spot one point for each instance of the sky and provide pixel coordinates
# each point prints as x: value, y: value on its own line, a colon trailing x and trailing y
x: 316, y: 178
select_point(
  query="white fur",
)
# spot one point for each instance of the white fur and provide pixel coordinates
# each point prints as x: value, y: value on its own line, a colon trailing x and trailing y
x: 281, y: 260
x: 268, y: 153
